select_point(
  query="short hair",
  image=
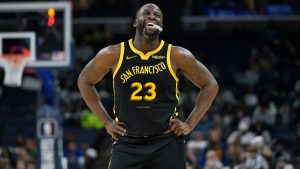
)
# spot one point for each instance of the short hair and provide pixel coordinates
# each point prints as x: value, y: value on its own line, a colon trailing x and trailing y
x: 138, y: 11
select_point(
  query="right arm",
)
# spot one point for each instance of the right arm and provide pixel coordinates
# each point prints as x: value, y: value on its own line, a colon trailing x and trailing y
x: 105, y: 61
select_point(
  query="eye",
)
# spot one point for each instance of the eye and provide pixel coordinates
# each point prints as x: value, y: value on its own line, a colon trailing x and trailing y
x: 157, y: 15
x: 145, y: 13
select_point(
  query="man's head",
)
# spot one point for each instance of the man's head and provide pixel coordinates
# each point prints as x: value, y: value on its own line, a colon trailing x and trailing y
x: 146, y: 18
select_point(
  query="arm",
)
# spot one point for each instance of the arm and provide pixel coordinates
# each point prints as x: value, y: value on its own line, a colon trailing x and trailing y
x: 105, y: 61
x: 185, y: 61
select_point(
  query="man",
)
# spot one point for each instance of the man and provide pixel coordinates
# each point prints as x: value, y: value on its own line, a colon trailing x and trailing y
x: 146, y: 131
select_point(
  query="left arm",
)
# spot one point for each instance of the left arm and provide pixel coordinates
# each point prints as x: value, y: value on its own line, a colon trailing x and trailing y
x: 184, y: 60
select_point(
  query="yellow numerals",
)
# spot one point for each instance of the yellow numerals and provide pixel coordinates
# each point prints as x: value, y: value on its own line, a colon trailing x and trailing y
x: 151, y: 94
x: 138, y: 87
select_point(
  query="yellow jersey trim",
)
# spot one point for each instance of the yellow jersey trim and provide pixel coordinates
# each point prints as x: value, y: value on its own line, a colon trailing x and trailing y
x: 120, y: 60
x: 177, y: 91
x: 117, y: 68
x: 171, y: 69
x: 175, y: 114
x: 169, y: 63
x: 148, y: 54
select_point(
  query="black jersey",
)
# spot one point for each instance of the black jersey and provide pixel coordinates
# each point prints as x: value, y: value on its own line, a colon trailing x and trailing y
x: 145, y: 89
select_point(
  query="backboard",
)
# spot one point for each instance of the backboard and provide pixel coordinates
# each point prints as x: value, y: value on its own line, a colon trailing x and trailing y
x: 45, y: 28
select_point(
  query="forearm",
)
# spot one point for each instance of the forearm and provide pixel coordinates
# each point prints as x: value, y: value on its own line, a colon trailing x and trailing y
x: 92, y: 99
x: 202, y: 104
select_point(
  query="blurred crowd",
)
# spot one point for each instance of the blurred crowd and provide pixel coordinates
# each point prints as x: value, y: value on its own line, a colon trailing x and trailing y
x: 94, y: 8
x: 254, y: 122
x: 20, y: 155
x: 190, y: 7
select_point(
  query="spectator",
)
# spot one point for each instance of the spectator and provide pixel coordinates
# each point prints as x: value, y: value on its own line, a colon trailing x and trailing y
x: 212, y: 161
x: 195, y: 146
x: 75, y: 156
x: 30, y: 165
x: 254, y: 159
x: 5, y: 163
x: 242, y: 136
x: 21, y: 164
x: 215, y: 143
x: 265, y: 113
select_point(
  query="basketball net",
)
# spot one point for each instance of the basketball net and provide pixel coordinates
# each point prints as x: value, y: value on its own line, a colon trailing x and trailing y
x: 13, y: 65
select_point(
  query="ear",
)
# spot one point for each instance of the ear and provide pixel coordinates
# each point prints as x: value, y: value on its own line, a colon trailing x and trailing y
x: 134, y: 23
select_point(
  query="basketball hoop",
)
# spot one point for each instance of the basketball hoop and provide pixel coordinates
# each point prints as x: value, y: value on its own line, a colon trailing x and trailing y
x: 13, y: 65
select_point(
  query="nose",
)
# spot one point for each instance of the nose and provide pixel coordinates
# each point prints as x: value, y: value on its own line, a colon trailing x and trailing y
x: 151, y: 16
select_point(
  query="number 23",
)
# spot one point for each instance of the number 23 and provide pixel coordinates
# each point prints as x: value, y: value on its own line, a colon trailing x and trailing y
x: 151, y: 94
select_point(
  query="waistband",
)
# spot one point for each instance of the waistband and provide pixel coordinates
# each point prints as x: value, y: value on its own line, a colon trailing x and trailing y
x: 153, y: 139
x: 147, y: 136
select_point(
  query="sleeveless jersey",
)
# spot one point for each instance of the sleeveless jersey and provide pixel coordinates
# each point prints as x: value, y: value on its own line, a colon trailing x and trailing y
x: 145, y: 89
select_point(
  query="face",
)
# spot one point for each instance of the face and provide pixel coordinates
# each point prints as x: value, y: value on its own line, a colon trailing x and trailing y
x: 148, y: 13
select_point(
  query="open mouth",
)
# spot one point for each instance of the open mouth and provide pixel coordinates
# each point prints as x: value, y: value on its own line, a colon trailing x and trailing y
x: 153, y: 26
x: 150, y: 24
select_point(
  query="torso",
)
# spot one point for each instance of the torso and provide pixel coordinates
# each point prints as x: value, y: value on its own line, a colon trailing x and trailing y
x: 145, y: 87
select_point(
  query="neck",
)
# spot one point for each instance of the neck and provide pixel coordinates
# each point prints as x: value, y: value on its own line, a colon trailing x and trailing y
x: 145, y: 44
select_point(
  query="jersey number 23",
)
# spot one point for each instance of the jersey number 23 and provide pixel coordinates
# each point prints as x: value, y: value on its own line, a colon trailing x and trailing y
x: 151, y: 94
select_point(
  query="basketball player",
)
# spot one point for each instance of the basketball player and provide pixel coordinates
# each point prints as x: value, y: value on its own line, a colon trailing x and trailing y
x: 146, y: 131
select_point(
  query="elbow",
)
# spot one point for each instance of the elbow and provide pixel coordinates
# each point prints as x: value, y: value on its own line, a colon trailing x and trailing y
x: 80, y: 80
x: 83, y: 81
x: 214, y: 86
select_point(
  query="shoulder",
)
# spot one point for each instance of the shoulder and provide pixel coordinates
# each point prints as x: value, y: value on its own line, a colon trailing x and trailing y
x: 181, y: 53
x: 181, y: 56
x: 112, y: 50
x: 108, y: 55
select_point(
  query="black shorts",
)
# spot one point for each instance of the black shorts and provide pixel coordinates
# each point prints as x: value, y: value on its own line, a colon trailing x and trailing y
x: 166, y: 151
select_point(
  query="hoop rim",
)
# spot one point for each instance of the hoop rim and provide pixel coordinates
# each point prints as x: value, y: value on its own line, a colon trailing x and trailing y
x: 15, y: 59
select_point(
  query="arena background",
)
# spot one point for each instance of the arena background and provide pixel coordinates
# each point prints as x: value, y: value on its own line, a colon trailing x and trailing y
x: 251, y: 47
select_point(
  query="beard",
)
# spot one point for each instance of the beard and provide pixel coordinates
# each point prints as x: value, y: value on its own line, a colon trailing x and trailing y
x: 143, y: 31
x: 151, y: 34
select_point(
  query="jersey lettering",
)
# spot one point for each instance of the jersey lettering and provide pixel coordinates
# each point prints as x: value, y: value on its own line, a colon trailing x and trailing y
x: 138, y: 70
